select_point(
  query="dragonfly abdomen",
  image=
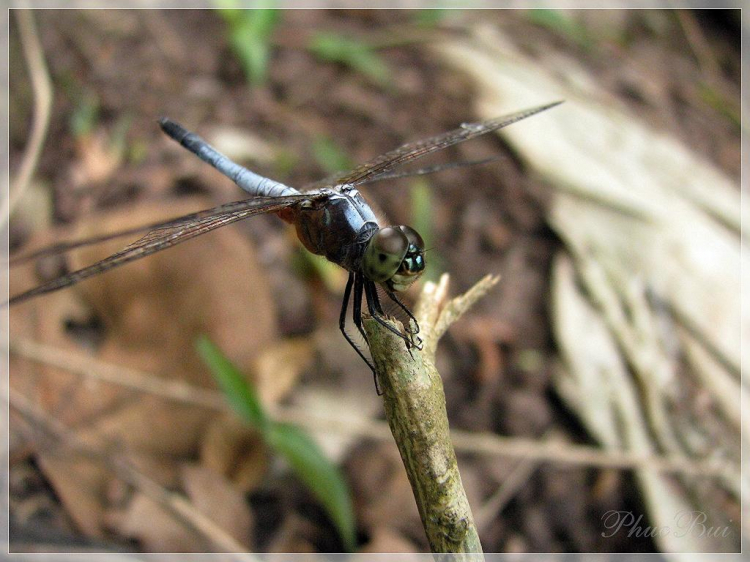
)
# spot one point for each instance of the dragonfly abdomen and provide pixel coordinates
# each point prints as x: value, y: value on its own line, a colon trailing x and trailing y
x: 252, y: 183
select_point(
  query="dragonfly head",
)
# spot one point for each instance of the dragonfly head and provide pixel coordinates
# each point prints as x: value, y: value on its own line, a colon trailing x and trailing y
x: 394, y: 257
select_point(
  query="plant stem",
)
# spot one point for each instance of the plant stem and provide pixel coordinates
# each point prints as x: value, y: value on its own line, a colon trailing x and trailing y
x: 415, y: 410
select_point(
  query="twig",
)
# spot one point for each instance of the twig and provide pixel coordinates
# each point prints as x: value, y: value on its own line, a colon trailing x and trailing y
x: 175, y: 503
x: 40, y: 81
x: 520, y: 474
x: 415, y: 409
x: 468, y: 442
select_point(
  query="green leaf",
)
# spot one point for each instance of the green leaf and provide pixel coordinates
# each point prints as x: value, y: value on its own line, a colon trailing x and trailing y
x: 562, y: 24
x: 330, y: 156
x: 240, y: 394
x: 118, y: 138
x: 719, y: 103
x: 322, y: 478
x: 359, y: 56
x: 430, y: 17
x: 85, y: 114
x: 304, y: 456
x: 250, y: 36
x: 232, y: 15
x: 264, y: 19
x: 308, y: 265
x: 422, y: 220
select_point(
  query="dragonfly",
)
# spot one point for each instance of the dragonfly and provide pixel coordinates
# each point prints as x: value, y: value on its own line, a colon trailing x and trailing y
x: 331, y: 217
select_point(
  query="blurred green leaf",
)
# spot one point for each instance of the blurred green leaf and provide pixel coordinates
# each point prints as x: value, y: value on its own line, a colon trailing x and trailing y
x: 118, y: 137
x: 85, y: 115
x: 304, y: 456
x: 241, y: 395
x: 422, y: 218
x: 319, y: 475
x: 431, y: 16
x: 138, y: 151
x: 358, y: 56
x: 250, y: 36
x: 330, y: 156
x: 306, y: 264
x: 561, y: 24
x: 285, y: 161
x: 719, y: 103
x: 230, y: 10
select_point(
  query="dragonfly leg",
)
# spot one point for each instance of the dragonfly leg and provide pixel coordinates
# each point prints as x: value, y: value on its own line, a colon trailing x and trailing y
x: 342, y: 320
x: 373, y: 304
x: 357, y: 317
x: 357, y: 306
x: 406, y: 310
x: 414, y: 340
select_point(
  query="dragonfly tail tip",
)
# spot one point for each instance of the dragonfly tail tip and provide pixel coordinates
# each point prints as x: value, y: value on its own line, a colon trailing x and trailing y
x: 172, y: 129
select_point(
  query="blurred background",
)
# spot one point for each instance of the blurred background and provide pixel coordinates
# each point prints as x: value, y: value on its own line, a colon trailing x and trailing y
x: 602, y: 372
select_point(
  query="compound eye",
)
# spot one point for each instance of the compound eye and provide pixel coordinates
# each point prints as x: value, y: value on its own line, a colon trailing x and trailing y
x: 385, y: 253
x: 413, y: 236
x: 391, y: 242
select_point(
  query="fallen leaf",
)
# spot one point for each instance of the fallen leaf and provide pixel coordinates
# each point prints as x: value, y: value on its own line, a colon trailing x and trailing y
x: 279, y: 367
x: 152, y: 311
x: 155, y: 528
x: 236, y: 451
x: 219, y: 500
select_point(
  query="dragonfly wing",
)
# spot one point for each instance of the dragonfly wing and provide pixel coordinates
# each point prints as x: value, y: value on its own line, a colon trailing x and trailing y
x: 383, y: 164
x: 62, y: 247
x: 165, y: 235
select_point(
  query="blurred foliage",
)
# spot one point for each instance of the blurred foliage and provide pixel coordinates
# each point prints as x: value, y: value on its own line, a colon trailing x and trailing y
x: 241, y: 395
x: 562, y: 24
x: 529, y: 360
x: 85, y: 114
x: 304, y: 456
x: 285, y: 161
x: 319, y: 475
x: 307, y: 265
x: 118, y: 137
x: 430, y: 17
x: 138, y: 151
x: 359, y: 56
x: 250, y: 35
x: 718, y: 102
x: 330, y: 156
x: 86, y: 117
x: 422, y: 221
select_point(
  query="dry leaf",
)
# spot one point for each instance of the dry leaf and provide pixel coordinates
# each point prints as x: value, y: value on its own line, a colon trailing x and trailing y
x: 152, y: 310
x: 654, y: 234
x: 219, y: 500
x: 279, y: 367
x: 155, y: 528
x: 236, y: 451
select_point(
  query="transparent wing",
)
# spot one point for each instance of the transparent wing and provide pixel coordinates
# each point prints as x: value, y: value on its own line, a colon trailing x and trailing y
x: 62, y: 247
x: 161, y: 236
x: 427, y: 170
x: 383, y: 164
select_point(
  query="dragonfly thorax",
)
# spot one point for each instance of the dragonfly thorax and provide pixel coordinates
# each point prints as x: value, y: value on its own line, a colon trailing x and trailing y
x: 394, y: 257
x: 336, y: 225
